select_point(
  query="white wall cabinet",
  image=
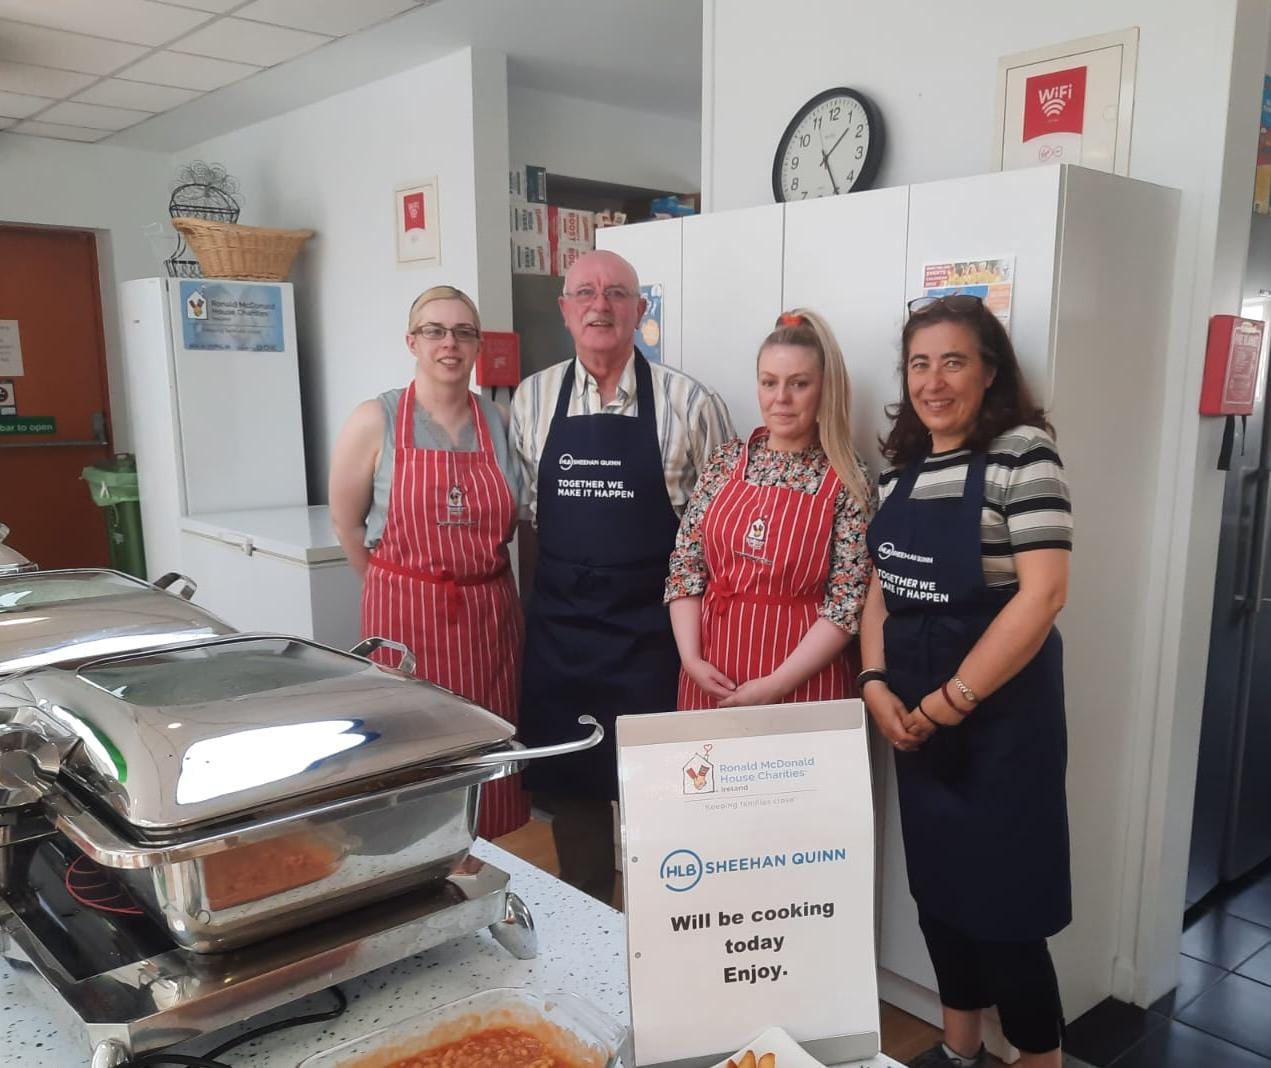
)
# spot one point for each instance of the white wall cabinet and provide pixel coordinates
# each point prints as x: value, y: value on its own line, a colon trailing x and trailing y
x: 730, y: 299
x: 1093, y: 257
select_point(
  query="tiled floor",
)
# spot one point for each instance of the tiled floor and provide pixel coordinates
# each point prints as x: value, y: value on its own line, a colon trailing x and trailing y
x: 1219, y: 1015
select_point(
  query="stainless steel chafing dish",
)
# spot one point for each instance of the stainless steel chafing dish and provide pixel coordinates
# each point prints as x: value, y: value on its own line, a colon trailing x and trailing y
x: 246, y: 786
x: 68, y: 616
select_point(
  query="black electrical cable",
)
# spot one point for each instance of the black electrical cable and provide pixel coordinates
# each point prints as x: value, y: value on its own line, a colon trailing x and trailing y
x: 209, y: 1059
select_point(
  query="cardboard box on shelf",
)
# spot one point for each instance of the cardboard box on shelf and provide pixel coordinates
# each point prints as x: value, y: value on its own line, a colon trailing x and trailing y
x: 572, y: 225
x: 531, y: 256
x: 530, y: 219
x: 565, y: 254
x: 528, y: 183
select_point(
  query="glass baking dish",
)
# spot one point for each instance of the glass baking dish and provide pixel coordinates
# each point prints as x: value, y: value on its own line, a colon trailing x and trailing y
x: 572, y: 1026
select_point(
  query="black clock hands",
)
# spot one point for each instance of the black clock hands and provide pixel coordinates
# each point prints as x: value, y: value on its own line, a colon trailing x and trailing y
x: 827, y: 155
x: 825, y: 160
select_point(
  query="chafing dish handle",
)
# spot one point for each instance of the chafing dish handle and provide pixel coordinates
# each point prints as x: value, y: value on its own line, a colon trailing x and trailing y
x: 507, y: 756
x: 171, y: 578
x: 366, y: 646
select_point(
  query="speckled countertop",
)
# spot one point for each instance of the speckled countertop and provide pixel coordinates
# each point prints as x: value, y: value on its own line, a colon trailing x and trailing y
x: 582, y: 949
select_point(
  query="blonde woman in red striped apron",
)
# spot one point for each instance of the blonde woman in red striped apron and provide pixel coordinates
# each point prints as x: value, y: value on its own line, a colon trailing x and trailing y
x: 423, y: 500
x: 770, y: 569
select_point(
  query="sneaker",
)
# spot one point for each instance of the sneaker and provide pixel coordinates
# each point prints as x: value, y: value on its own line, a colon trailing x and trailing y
x: 936, y: 1057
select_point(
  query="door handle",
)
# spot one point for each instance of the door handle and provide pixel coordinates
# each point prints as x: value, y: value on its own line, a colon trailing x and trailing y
x: 1246, y: 563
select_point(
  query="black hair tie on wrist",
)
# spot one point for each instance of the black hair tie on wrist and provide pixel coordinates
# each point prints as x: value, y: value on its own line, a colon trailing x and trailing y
x: 928, y: 718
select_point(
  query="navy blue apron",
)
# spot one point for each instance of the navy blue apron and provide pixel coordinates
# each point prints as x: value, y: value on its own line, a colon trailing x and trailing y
x: 982, y: 806
x: 598, y: 638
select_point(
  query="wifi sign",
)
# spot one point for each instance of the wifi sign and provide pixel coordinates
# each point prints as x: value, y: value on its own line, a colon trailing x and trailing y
x: 1055, y: 99
x: 1055, y: 103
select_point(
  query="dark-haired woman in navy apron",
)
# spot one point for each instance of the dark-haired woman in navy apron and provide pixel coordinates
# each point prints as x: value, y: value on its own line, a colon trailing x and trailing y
x: 964, y: 675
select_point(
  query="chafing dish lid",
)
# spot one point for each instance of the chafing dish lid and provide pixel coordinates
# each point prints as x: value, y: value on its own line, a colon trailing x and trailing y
x: 69, y: 616
x: 204, y: 732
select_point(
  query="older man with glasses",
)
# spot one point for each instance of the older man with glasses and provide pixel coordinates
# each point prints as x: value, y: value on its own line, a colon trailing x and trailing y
x: 610, y: 447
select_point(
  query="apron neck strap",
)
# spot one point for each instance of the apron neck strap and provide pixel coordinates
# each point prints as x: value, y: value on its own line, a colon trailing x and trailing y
x: 644, y: 388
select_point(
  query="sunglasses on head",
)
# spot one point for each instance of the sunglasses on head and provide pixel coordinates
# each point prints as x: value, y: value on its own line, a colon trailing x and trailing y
x: 958, y: 302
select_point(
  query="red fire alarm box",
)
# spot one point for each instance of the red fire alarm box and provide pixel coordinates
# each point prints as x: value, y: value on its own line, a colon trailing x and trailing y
x: 499, y: 362
x: 1232, y: 356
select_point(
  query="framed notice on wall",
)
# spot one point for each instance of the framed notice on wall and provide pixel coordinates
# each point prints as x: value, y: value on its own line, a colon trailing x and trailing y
x: 417, y: 224
x: 1068, y: 103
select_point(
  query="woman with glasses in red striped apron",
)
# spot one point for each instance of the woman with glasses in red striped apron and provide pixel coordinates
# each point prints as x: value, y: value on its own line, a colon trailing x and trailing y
x: 770, y: 569
x: 423, y: 500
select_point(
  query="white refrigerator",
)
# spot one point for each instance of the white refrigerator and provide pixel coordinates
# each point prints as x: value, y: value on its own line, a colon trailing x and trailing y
x: 213, y: 387
x: 1092, y: 256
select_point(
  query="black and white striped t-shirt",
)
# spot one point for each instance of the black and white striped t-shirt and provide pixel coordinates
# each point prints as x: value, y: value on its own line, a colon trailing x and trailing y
x: 1026, y: 500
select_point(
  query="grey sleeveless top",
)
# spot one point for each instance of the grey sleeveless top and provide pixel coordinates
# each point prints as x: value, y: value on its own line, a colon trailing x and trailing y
x: 428, y: 435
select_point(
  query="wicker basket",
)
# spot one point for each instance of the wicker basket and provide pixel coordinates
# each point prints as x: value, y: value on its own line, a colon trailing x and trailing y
x: 227, y: 250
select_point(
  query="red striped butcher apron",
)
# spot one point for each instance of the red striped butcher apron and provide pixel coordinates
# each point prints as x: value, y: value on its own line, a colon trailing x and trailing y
x: 767, y: 551
x: 439, y: 581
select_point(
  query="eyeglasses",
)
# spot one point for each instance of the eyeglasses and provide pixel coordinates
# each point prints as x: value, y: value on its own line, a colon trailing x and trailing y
x: 613, y: 294
x: 436, y: 332
x: 958, y: 302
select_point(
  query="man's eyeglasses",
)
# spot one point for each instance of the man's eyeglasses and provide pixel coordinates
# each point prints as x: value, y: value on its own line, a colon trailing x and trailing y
x: 958, y: 302
x: 613, y: 294
x: 435, y: 332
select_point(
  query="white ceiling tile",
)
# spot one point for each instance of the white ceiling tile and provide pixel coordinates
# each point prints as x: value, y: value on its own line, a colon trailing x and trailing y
x: 120, y: 93
x: 19, y: 105
x: 219, y: 6
x: 43, y: 47
x: 63, y: 133
x: 187, y: 72
x: 68, y: 113
x: 336, y: 17
x: 41, y: 81
x: 248, y: 42
x: 6, y: 123
x: 137, y: 21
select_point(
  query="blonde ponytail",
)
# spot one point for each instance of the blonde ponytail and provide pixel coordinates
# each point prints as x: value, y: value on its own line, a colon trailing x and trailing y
x: 806, y: 328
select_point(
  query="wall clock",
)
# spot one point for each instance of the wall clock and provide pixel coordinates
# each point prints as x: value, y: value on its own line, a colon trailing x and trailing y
x: 833, y: 145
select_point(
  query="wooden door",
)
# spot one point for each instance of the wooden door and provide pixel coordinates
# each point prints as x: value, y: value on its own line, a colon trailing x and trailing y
x: 57, y: 421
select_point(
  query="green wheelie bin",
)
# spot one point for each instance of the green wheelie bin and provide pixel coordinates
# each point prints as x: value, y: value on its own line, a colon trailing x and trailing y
x: 113, y: 485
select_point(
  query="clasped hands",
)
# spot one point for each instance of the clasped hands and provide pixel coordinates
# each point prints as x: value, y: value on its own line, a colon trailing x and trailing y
x: 907, y: 728
x: 764, y: 690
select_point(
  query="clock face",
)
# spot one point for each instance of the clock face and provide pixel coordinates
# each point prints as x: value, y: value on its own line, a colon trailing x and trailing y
x: 833, y: 145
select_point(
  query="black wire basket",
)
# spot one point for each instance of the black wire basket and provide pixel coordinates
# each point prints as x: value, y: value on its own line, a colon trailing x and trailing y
x: 203, y: 191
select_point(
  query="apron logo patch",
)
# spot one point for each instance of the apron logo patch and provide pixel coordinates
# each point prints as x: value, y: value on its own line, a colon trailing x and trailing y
x: 757, y: 535
x: 887, y: 550
x: 455, y: 503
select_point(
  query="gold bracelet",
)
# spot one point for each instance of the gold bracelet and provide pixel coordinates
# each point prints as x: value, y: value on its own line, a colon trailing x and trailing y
x: 965, y: 690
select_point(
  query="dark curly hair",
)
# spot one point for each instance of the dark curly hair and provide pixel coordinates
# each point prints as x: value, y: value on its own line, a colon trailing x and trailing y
x: 1007, y: 402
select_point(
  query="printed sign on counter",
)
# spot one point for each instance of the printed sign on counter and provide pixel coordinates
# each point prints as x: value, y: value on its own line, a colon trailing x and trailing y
x: 748, y: 859
x: 232, y: 316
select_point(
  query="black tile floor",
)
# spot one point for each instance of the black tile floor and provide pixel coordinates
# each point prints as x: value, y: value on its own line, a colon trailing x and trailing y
x: 1219, y: 1015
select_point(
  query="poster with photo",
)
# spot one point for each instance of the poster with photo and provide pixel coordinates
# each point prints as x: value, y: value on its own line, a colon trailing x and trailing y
x: 992, y: 280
